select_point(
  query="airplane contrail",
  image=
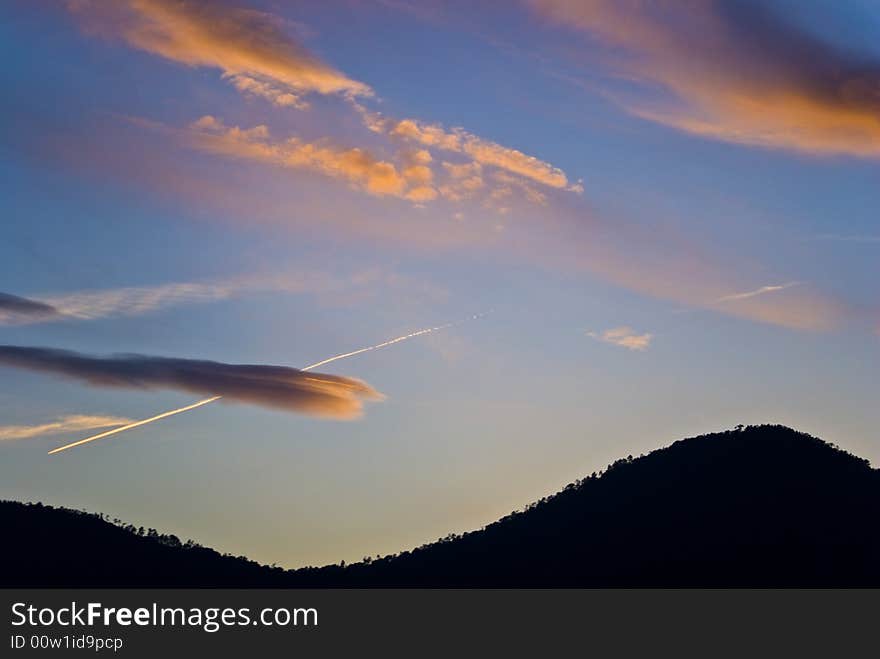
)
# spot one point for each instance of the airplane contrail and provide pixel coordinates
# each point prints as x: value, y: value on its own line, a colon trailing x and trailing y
x: 377, y: 346
x: 206, y: 401
x: 135, y: 424
x: 757, y: 291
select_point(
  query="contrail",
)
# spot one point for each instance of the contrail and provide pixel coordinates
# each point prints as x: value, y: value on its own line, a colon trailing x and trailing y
x: 758, y: 291
x: 377, y: 346
x: 187, y: 408
x: 129, y: 426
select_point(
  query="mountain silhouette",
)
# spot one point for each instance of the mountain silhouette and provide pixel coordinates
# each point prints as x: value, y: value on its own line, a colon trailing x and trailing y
x: 757, y: 506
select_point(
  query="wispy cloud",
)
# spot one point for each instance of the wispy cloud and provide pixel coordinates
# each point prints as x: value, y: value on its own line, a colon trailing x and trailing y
x: 625, y: 337
x: 21, y: 310
x: 131, y: 301
x: 279, y: 387
x: 255, y: 53
x: 758, y: 291
x: 669, y: 264
x: 408, y: 175
x: 426, y: 163
x: 139, y: 300
x: 251, y: 48
x: 71, y: 423
x: 737, y: 71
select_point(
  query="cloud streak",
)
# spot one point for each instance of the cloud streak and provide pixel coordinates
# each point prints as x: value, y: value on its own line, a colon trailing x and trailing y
x: 357, y: 166
x: 20, y: 310
x: 140, y: 300
x: 129, y: 301
x: 260, y: 59
x: 482, y: 175
x: 566, y: 236
x: 250, y: 47
x: 408, y: 176
x: 738, y: 72
x: 624, y: 337
x: 70, y: 423
x: 278, y: 387
x: 212, y: 399
x: 480, y: 150
x: 758, y: 291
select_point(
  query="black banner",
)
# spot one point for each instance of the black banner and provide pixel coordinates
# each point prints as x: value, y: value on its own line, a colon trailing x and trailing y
x: 135, y: 623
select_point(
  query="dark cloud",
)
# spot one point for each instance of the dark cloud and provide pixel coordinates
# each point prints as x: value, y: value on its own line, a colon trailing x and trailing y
x: 13, y: 305
x: 279, y: 387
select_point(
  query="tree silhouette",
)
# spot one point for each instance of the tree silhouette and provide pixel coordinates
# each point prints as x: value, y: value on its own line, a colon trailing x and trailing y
x: 753, y: 506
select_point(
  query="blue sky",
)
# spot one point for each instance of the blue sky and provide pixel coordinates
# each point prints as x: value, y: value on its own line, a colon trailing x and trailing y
x: 675, y: 232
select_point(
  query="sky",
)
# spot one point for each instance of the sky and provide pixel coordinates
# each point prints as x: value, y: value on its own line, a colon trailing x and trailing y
x: 663, y: 216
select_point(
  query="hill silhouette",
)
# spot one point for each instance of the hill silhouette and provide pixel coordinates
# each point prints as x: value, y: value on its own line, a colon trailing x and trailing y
x: 756, y: 506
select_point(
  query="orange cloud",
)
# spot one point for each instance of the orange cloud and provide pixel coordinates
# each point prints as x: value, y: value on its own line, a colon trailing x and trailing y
x: 273, y: 94
x: 737, y: 72
x: 418, y: 174
x: 357, y: 166
x: 261, y: 60
x: 248, y: 46
x: 421, y: 194
x: 464, y: 180
x: 625, y: 337
x: 412, y: 180
x: 492, y: 175
x: 531, y: 193
x: 482, y: 151
x: 656, y: 260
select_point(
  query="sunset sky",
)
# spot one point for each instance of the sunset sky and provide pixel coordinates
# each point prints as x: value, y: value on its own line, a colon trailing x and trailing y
x: 667, y: 212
